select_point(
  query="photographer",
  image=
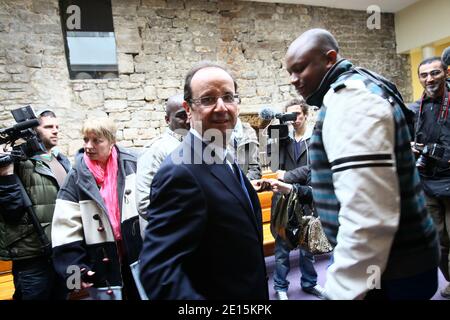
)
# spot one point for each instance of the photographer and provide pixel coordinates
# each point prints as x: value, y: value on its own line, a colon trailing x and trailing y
x: 41, y: 176
x: 432, y: 148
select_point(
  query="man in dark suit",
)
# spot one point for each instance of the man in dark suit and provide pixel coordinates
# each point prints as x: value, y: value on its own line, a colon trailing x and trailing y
x: 204, y: 235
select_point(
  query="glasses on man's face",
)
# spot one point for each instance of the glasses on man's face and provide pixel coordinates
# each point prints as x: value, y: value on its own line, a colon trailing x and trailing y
x: 210, y: 101
x: 433, y: 73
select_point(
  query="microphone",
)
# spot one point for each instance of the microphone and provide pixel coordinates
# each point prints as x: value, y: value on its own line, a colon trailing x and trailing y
x: 21, y: 126
x: 26, y: 124
x: 446, y: 56
x: 268, y: 113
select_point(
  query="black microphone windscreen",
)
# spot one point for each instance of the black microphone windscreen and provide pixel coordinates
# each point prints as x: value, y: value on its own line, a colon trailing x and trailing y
x: 26, y: 124
x: 266, y: 113
x: 446, y: 56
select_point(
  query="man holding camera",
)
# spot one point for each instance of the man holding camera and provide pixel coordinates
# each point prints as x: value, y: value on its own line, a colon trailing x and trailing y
x: 293, y: 167
x: 41, y: 176
x: 432, y: 147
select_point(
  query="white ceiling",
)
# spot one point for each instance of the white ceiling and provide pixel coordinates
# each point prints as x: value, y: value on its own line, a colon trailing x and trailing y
x: 385, y: 5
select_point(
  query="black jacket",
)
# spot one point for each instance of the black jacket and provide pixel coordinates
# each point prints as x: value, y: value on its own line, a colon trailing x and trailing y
x: 430, y: 128
x: 203, y: 239
x: 286, y: 160
x: 297, y: 170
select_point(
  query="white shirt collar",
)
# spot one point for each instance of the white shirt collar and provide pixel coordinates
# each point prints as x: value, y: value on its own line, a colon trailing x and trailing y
x: 220, y: 152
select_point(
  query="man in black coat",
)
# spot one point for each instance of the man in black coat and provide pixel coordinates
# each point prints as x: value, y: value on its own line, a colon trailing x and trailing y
x: 432, y: 128
x: 293, y: 167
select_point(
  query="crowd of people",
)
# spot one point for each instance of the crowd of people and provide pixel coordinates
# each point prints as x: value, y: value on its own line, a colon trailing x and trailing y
x: 182, y: 218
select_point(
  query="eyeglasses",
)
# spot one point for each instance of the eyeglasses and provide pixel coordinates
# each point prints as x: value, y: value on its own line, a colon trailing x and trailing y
x: 433, y: 74
x: 210, y: 101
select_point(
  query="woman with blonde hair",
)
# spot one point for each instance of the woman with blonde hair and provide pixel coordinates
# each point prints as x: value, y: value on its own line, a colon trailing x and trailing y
x: 95, y: 223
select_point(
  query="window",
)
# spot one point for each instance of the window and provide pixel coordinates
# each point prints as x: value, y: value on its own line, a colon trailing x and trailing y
x: 89, y: 38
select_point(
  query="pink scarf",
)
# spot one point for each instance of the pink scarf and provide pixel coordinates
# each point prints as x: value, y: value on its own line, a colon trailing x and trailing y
x: 107, y: 179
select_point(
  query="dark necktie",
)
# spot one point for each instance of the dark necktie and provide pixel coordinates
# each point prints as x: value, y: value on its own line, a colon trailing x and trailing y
x: 239, y: 176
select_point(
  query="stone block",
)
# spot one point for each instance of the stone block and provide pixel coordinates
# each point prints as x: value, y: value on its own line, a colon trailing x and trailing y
x: 129, y: 85
x: 5, y: 77
x: 135, y: 94
x: 22, y: 77
x: 92, y: 98
x: 115, y: 105
x: 137, y: 77
x: 125, y: 63
x: 156, y: 123
x: 142, y: 115
x: 130, y: 133
x: 74, y: 146
x: 128, y: 40
x: 125, y: 143
x: 157, y: 115
x: 148, y: 133
x: 111, y: 94
x: 150, y: 93
x: 165, y: 93
x: 120, y: 115
x: 14, y: 68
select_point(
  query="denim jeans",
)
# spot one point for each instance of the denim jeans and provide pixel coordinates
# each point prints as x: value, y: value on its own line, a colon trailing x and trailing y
x: 282, y: 267
x: 36, y: 279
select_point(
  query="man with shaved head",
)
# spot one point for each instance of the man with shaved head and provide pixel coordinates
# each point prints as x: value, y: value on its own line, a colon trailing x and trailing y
x: 157, y: 150
x: 365, y: 184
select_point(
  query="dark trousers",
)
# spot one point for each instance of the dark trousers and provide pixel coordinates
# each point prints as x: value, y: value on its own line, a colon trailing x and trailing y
x: 422, y: 286
x: 439, y: 209
x: 36, y: 279
x: 129, y: 290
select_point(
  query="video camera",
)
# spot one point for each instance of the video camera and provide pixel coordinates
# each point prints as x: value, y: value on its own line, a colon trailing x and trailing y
x: 278, y: 131
x: 25, y: 121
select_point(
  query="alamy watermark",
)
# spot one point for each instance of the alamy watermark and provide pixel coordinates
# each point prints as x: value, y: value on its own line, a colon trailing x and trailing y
x: 209, y: 150
x: 73, y: 21
x: 374, y: 278
x: 374, y: 20
x: 73, y: 282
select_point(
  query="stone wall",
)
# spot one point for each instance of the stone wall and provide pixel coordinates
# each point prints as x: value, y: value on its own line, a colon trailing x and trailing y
x: 157, y: 42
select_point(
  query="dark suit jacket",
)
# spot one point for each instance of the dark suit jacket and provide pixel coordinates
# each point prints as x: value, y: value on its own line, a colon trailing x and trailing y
x: 203, y: 240
x: 296, y: 169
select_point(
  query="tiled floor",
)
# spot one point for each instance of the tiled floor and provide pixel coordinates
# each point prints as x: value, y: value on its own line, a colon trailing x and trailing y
x: 295, y: 293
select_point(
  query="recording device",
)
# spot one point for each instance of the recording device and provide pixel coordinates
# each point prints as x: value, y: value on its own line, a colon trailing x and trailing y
x: 279, y: 131
x: 268, y: 113
x: 26, y: 120
x: 429, y: 154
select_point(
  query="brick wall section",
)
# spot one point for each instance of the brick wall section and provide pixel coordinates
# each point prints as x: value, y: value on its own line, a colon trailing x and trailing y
x: 157, y: 42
